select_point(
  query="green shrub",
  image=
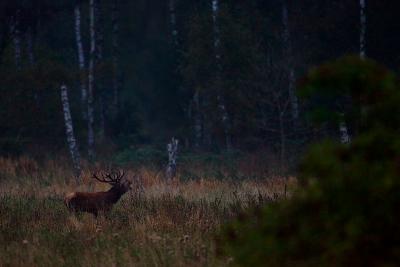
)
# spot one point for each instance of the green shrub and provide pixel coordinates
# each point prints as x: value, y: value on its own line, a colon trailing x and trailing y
x: 346, y: 211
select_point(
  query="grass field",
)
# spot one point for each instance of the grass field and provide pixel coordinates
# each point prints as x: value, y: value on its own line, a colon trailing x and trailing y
x: 160, y: 224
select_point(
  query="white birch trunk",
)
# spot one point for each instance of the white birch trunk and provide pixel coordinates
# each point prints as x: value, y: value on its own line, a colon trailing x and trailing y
x: 81, y: 60
x: 172, y: 149
x: 90, y: 101
x: 220, y: 98
x: 193, y: 110
x: 344, y: 132
x: 290, y: 70
x: 115, y: 56
x: 69, y: 129
x: 16, y: 38
x: 363, y: 27
x: 172, y: 22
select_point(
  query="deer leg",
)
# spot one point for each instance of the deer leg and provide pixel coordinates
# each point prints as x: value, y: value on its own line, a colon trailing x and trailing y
x: 95, y: 213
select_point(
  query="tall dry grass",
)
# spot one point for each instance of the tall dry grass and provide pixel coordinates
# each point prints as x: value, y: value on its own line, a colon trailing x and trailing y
x: 158, y: 223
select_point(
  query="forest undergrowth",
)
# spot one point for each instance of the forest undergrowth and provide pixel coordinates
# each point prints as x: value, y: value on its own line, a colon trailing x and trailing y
x: 158, y: 223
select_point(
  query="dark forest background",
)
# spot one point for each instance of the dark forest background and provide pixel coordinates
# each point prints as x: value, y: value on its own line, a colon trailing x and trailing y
x: 158, y: 77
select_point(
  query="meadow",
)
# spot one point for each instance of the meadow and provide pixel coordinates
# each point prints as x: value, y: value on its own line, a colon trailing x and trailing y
x: 158, y: 223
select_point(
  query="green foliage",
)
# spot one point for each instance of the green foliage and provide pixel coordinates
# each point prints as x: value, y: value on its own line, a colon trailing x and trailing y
x: 372, y: 89
x: 346, y: 211
x: 143, y: 156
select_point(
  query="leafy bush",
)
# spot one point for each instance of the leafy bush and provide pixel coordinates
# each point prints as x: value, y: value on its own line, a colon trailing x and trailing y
x: 346, y: 212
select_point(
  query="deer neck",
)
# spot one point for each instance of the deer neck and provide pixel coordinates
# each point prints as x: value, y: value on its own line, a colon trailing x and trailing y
x: 114, y: 194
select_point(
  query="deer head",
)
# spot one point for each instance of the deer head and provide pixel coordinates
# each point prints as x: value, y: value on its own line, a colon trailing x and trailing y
x: 115, y: 179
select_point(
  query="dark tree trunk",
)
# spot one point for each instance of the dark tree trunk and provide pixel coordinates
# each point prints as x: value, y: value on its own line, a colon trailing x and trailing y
x: 91, y: 81
x: 99, y: 63
x: 224, y: 114
x: 116, y: 79
x: 16, y: 37
x: 289, y: 64
x: 363, y: 27
x: 81, y: 60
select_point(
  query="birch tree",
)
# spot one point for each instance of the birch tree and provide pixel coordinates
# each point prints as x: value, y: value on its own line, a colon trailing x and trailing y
x: 193, y: 111
x: 172, y: 149
x: 16, y: 37
x: 289, y: 65
x: 344, y: 133
x: 343, y: 129
x: 363, y: 27
x: 69, y: 129
x: 90, y: 107
x: 81, y: 59
x: 225, y: 119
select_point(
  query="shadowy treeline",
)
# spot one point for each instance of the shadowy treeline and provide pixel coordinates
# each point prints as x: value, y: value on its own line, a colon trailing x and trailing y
x: 216, y: 74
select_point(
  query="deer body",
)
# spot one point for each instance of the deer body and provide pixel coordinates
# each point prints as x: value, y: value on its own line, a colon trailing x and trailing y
x: 99, y: 201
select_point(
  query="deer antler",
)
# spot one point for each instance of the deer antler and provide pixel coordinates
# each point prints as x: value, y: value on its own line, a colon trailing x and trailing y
x: 113, y: 177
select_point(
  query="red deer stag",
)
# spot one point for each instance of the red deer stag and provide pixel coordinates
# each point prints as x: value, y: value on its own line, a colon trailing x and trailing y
x: 99, y: 201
